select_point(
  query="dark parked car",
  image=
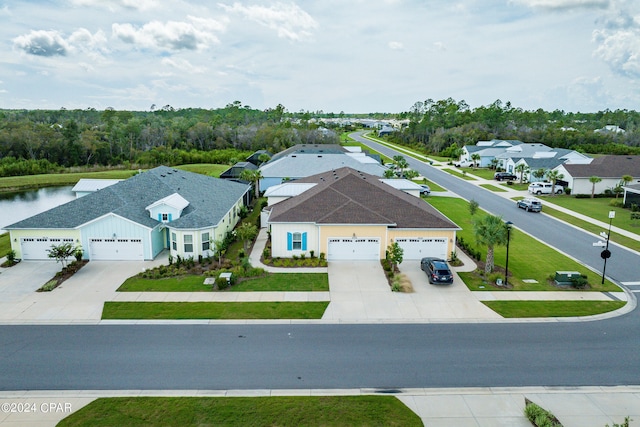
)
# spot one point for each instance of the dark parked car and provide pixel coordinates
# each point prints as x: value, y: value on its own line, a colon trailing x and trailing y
x: 437, y: 270
x: 530, y: 205
x: 504, y: 176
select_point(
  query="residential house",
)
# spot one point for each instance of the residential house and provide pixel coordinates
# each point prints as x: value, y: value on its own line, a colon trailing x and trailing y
x: 610, y: 169
x: 236, y: 170
x: 351, y: 215
x: 87, y: 185
x: 631, y: 195
x: 137, y: 218
x: 546, y: 159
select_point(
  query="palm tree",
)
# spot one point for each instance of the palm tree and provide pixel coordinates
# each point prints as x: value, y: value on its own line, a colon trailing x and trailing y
x: 476, y: 159
x: 389, y: 173
x: 538, y: 173
x: 626, y: 179
x: 253, y: 176
x: 594, y: 180
x: 553, y: 176
x: 522, y: 168
x: 490, y: 231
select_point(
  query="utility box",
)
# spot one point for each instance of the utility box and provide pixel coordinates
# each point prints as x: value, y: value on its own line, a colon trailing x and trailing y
x: 563, y: 278
x: 226, y: 276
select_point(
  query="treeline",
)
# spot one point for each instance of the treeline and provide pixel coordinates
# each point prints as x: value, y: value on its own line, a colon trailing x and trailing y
x: 445, y: 125
x: 90, y: 138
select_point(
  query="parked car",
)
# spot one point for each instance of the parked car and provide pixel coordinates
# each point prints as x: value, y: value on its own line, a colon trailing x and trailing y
x: 504, y: 176
x: 544, y: 188
x: 437, y: 270
x: 530, y: 205
x: 425, y: 190
x: 463, y: 163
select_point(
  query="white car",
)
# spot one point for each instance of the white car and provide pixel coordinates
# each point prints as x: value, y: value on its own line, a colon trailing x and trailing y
x: 463, y: 163
x: 544, y: 188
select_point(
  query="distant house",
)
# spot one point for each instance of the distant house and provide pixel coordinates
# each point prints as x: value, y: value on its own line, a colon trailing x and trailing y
x: 236, y: 170
x: 305, y: 160
x: 87, y: 185
x: 487, y: 150
x: 610, y: 169
x: 350, y: 215
x: 610, y: 129
x: 546, y: 160
x: 255, y: 157
x: 137, y: 218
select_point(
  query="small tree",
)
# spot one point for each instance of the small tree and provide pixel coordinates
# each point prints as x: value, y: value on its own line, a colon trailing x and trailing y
x: 401, y: 164
x: 473, y: 207
x: 253, y: 176
x: 476, y: 159
x: 522, y: 169
x: 389, y: 173
x: 246, y: 232
x: 218, y: 249
x: 490, y: 231
x: 61, y: 253
x: 554, y: 176
x: 411, y: 174
x: 264, y: 158
x: 395, y: 255
x: 594, y: 180
x: 626, y: 179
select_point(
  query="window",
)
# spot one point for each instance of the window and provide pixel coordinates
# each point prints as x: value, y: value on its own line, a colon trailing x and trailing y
x: 296, y: 241
x: 188, y: 243
x: 165, y: 217
x: 174, y: 242
x: 205, y: 242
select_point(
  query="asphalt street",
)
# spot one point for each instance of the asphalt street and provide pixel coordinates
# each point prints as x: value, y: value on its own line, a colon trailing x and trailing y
x: 623, y: 266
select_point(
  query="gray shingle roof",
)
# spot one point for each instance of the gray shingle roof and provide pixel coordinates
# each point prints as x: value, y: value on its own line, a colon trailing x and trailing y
x: 303, y: 165
x: 209, y: 200
x: 346, y: 196
x: 607, y: 167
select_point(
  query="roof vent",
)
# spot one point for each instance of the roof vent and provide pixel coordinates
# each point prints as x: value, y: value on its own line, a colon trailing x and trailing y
x: 162, y: 175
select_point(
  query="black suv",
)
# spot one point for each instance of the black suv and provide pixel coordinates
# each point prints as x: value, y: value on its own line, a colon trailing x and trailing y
x: 437, y: 270
x: 504, y: 176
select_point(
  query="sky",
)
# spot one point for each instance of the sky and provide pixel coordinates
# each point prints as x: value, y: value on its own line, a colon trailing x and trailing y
x: 352, y: 56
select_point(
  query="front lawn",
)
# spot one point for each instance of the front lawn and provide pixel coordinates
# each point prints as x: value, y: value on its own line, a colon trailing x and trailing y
x: 518, y: 309
x: 5, y: 244
x: 282, y: 411
x: 298, y: 282
x: 599, y: 209
x: 213, y: 310
x: 493, y: 188
x: 528, y: 258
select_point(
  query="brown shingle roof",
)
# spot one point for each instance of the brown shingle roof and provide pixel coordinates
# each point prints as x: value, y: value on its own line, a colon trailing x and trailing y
x: 346, y: 196
x: 607, y: 167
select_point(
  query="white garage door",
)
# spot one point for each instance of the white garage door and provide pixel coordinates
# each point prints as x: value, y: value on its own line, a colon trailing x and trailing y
x: 354, y: 249
x: 420, y: 247
x: 35, y: 248
x: 116, y: 249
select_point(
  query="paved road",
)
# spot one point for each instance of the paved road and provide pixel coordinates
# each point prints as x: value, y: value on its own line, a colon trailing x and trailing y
x: 384, y: 356
x: 623, y: 266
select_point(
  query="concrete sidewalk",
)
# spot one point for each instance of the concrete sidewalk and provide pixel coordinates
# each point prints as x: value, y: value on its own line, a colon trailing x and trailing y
x: 472, y: 407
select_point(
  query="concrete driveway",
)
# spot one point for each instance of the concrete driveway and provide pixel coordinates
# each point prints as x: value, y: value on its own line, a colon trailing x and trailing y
x: 78, y: 300
x: 360, y: 293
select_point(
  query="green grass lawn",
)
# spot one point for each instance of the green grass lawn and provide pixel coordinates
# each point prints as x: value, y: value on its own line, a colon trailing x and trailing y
x: 205, y: 169
x: 298, y: 282
x: 492, y: 187
x: 213, y: 310
x: 432, y: 185
x: 615, y: 237
x: 518, y: 309
x: 244, y: 411
x: 5, y: 244
x: 528, y: 258
x: 459, y: 174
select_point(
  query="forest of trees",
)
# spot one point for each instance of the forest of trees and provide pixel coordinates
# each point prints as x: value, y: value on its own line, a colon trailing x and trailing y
x: 438, y: 125
x: 41, y: 141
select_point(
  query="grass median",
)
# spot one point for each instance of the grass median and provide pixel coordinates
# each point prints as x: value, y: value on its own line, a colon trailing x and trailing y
x: 245, y: 411
x: 529, y: 309
x: 131, y: 310
x: 275, y: 282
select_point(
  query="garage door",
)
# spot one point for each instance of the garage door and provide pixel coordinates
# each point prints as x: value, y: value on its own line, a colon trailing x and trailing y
x: 354, y: 249
x: 116, y: 249
x: 420, y: 247
x: 35, y: 248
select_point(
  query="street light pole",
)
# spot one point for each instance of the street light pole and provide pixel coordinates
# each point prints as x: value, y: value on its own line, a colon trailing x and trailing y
x: 607, y: 253
x: 508, y: 224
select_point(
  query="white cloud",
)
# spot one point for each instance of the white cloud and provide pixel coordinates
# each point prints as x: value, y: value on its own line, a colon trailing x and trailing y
x: 194, y: 35
x: 620, y: 49
x: 114, y: 5
x: 396, y: 46
x: 288, y: 20
x: 183, y: 65
x: 42, y: 43
x: 565, y: 4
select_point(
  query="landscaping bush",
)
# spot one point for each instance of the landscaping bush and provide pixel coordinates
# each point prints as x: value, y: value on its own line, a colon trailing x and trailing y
x: 222, y: 283
x: 617, y: 203
x: 540, y: 417
x: 579, y: 282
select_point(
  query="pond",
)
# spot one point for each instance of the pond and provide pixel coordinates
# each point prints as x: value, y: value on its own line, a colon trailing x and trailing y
x: 15, y: 207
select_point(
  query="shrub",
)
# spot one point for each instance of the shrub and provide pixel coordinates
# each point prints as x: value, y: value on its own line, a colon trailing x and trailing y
x: 78, y: 254
x: 266, y: 253
x: 396, y: 287
x: 222, y: 283
x: 616, y: 203
x: 49, y: 286
x: 241, y: 253
x: 11, y: 256
x: 540, y: 417
x: 322, y: 255
x: 170, y: 259
x: 312, y: 253
x: 303, y: 255
x: 579, y: 282
x: 567, y: 191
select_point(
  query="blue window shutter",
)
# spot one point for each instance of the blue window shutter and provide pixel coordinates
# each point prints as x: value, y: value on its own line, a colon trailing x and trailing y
x: 289, y: 241
x: 169, y: 217
x: 160, y: 217
x: 304, y: 241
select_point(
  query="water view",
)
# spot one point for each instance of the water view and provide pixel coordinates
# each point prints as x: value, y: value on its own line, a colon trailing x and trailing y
x: 15, y: 207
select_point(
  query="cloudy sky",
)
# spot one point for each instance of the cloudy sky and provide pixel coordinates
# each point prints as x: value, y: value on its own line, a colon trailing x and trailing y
x: 356, y: 56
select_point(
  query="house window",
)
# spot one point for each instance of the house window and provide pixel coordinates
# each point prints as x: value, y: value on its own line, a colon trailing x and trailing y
x: 296, y: 241
x: 165, y: 217
x: 188, y: 243
x: 205, y: 242
x: 174, y: 242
